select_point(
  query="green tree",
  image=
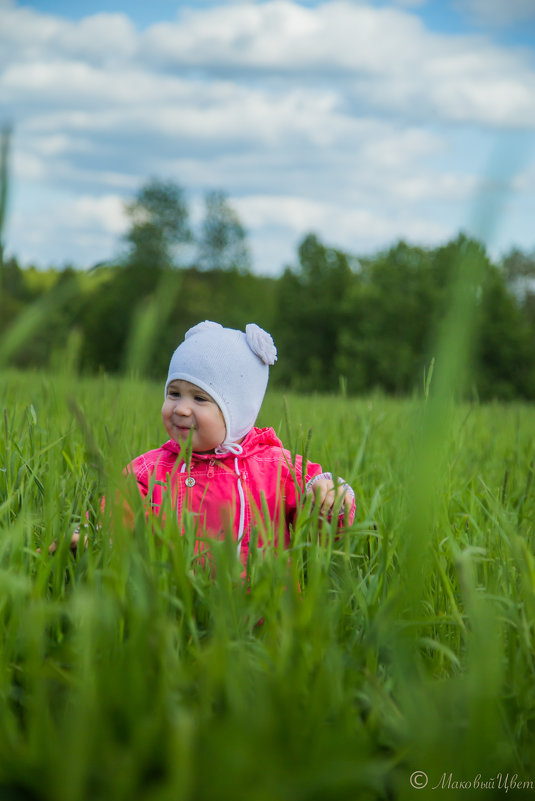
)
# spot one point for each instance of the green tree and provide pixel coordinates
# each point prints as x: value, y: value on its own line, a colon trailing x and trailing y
x: 223, y: 240
x: 159, y: 224
x: 504, y: 353
x: 309, y: 320
x: 519, y: 273
x: 518, y: 266
x: 390, y: 313
x: 13, y: 293
x: 159, y: 229
x: 110, y: 310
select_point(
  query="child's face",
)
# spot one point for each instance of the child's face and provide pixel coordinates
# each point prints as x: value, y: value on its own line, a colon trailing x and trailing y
x: 188, y: 408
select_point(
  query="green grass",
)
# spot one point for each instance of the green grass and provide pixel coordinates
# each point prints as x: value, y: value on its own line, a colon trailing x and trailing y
x: 130, y: 672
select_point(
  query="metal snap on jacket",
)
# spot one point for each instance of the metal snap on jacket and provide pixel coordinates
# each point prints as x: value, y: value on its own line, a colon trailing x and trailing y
x: 190, y: 482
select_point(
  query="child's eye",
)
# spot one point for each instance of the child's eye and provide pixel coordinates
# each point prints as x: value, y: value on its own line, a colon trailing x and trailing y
x: 201, y: 398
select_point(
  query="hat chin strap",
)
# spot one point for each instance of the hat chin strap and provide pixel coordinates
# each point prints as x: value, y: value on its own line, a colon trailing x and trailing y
x: 229, y: 447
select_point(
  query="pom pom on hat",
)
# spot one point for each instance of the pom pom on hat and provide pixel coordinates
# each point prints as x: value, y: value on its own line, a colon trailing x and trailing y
x: 261, y: 343
x: 232, y: 366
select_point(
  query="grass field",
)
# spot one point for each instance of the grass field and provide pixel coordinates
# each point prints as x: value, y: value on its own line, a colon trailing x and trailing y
x: 128, y: 672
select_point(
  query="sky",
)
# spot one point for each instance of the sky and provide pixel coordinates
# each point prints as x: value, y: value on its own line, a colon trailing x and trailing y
x: 364, y: 121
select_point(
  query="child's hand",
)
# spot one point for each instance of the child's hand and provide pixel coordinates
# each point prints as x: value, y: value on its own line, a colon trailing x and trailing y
x: 328, y: 494
x: 75, y: 539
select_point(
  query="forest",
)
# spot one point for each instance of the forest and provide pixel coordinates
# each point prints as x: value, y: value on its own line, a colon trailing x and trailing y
x: 362, y: 323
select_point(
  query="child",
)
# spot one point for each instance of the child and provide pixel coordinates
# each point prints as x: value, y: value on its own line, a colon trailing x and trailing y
x: 216, y: 383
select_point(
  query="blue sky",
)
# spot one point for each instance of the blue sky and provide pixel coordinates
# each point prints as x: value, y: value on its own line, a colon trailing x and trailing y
x: 365, y: 122
x: 506, y: 24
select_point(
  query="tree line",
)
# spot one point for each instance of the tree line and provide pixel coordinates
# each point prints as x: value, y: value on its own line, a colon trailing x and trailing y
x: 368, y: 323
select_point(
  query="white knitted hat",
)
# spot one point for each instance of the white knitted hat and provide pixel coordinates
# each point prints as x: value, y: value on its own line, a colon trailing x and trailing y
x: 232, y: 366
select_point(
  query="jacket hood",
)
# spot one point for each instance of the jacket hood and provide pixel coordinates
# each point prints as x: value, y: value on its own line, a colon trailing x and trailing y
x: 255, y: 440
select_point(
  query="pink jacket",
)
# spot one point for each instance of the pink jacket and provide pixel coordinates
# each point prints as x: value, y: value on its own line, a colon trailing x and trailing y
x: 223, y: 491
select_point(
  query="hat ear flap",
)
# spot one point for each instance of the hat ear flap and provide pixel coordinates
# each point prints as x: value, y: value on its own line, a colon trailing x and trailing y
x: 207, y: 325
x: 261, y: 343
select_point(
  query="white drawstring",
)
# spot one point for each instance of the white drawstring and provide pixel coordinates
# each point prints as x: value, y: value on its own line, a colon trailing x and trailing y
x: 241, y: 526
x: 242, y: 506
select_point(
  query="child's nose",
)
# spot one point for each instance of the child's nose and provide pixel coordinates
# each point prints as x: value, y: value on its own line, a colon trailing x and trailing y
x: 182, y: 407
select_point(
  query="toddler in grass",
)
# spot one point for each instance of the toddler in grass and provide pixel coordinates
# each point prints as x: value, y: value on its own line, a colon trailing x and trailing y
x: 215, y: 386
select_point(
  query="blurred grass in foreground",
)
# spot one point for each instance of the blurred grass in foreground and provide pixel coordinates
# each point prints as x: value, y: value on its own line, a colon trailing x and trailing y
x: 133, y: 671
x: 129, y: 672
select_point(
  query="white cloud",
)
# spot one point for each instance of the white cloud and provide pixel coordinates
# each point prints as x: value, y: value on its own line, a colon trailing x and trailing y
x: 339, y: 116
x: 104, y: 38
x: 27, y: 34
x: 59, y: 143
x: 524, y: 181
x: 27, y: 166
x: 86, y: 228
x: 446, y: 186
x: 497, y: 12
x: 390, y: 147
x: 106, y: 212
x: 63, y: 82
x: 410, y: 3
x: 336, y: 221
x: 282, y: 35
x: 384, y: 56
x: 280, y: 222
x: 296, y: 213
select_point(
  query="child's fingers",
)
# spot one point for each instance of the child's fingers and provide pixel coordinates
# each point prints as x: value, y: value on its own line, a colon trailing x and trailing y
x: 347, y: 506
x: 344, y: 501
x: 321, y: 491
x: 75, y: 541
x: 73, y: 545
x: 327, y: 495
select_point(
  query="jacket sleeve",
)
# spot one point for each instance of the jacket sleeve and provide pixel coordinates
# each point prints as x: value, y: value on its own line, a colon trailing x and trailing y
x: 300, y: 481
x: 139, y: 468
